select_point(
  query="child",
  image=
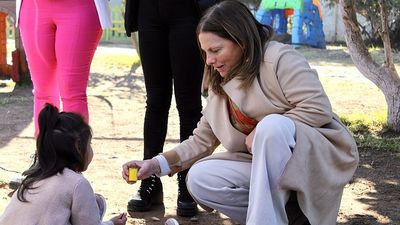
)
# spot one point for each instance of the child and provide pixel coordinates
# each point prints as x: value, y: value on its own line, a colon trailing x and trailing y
x: 54, y: 190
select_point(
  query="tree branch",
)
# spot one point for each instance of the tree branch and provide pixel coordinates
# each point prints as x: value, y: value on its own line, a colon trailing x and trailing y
x: 384, y: 33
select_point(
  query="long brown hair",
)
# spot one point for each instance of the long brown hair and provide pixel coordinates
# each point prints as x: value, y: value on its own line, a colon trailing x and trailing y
x: 232, y: 20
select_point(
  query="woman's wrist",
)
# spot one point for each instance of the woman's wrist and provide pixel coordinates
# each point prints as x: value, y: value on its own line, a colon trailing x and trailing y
x: 163, y: 165
x: 155, y: 166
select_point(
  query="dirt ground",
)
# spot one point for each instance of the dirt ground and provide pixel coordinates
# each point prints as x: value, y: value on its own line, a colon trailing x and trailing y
x: 117, y: 103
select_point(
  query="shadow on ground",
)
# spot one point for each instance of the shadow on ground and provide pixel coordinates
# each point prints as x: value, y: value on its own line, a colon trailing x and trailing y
x: 376, y: 186
x: 131, y: 81
x: 159, y: 216
x: 15, y: 112
x: 321, y: 56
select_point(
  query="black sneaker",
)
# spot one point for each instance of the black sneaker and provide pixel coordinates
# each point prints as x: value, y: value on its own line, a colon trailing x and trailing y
x: 149, y: 194
x: 187, y: 207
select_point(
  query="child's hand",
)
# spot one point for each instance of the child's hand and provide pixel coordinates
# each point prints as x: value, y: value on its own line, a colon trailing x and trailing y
x: 120, y: 219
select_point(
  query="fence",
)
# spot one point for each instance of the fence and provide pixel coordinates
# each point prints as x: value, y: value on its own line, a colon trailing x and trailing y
x: 117, y: 32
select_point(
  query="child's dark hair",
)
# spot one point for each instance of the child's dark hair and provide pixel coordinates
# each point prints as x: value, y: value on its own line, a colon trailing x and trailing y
x: 62, y: 142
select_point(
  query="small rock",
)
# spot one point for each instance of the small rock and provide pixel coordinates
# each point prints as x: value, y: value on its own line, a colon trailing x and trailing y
x: 194, y: 219
x: 155, y: 218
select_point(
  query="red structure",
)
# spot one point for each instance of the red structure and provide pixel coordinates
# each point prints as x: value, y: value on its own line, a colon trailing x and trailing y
x: 18, y: 70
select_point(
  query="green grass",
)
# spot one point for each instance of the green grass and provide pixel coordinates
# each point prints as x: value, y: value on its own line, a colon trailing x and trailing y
x: 372, y: 132
x: 351, y: 97
x: 363, y: 109
x: 360, y: 105
x: 116, y: 61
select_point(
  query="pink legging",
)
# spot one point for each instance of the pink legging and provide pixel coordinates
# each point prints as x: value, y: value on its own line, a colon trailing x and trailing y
x: 60, y: 38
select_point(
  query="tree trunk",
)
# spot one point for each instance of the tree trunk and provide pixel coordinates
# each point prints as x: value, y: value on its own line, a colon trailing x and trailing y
x: 384, y: 76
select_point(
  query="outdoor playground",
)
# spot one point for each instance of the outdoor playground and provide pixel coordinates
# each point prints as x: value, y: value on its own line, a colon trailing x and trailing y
x: 117, y: 97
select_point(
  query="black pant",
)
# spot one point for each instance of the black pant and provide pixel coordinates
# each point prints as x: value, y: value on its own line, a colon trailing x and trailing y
x: 171, y: 60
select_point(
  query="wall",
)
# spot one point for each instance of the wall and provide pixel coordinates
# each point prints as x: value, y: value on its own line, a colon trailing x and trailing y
x: 333, y: 24
x: 334, y: 29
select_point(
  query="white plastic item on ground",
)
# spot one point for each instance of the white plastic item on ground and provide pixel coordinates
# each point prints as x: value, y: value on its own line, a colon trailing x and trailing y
x: 171, y: 221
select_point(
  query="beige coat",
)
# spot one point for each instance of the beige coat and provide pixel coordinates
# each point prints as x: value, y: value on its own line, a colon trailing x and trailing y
x: 325, y: 156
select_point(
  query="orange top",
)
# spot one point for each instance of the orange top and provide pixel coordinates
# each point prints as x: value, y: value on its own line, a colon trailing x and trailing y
x: 239, y: 120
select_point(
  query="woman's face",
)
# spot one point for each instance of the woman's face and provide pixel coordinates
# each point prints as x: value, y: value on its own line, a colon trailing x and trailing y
x: 221, y: 53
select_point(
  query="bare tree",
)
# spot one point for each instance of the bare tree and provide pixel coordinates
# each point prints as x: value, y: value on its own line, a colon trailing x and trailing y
x: 384, y: 76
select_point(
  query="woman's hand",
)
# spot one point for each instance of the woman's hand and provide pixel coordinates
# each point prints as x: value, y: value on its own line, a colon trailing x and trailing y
x: 119, y: 220
x: 146, y: 168
x: 249, y: 140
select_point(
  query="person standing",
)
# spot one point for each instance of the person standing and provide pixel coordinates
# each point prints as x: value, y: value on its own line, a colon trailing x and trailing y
x: 60, y: 38
x: 171, y: 62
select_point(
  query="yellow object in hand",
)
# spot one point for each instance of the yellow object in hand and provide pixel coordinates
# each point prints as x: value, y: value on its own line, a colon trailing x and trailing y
x: 132, y: 172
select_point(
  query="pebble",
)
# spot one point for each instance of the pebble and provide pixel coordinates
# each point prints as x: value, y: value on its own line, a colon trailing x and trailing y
x: 155, y: 218
x: 194, y: 219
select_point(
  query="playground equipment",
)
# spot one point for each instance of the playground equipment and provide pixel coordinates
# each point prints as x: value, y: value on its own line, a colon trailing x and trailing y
x: 18, y: 70
x: 307, y: 26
